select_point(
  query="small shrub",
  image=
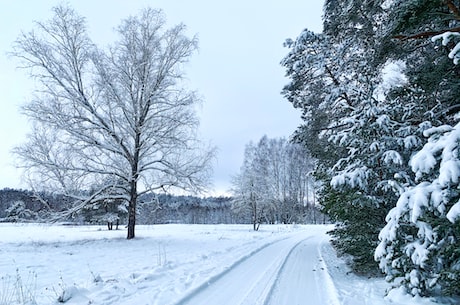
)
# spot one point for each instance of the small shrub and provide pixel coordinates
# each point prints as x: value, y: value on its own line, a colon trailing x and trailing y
x: 14, y: 290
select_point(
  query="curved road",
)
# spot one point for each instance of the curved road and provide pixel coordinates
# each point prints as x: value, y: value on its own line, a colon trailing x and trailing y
x: 290, y: 271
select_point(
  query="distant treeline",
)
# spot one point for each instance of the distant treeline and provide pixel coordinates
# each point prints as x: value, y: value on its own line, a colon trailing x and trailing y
x: 27, y: 206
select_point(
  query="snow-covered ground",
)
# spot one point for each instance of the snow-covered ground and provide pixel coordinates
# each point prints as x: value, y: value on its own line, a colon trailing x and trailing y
x: 178, y: 265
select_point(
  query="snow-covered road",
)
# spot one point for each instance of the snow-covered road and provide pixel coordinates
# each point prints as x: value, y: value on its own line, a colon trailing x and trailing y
x: 181, y: 265
x: 290, y: 271
x: 304, y: 277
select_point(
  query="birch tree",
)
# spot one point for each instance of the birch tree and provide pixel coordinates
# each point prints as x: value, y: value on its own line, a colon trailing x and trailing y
x: 111, y: 114
x: 273, y: 181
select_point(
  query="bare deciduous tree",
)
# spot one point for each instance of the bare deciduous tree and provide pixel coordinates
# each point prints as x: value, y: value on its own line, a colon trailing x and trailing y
x: 117, y: 114
x: 273, y: 182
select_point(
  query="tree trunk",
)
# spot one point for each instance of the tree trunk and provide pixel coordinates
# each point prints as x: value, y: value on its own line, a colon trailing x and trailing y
x: 255, y: 217
x: 131, y: 219
x: 133, y: 185
x: 132, y: 210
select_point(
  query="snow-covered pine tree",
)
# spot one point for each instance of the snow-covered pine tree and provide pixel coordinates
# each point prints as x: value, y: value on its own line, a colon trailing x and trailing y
x: 419, y: 245
x: 374, y: 170
x: 330, y: 76
x: 349, y: 77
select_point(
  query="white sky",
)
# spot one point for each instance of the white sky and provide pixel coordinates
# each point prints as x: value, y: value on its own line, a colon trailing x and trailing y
x: 236, y: 70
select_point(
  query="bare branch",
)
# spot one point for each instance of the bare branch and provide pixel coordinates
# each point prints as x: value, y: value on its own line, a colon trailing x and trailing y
x: 454, y: 9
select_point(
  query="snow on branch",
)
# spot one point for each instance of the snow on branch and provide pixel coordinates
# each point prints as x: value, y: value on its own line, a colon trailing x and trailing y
x: 443, y: 142
x: 446, y: 38
x: 353, y: 178
x: 454, y: 212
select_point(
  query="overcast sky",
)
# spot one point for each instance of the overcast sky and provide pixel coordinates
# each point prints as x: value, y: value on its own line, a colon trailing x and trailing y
x: 236, y: 70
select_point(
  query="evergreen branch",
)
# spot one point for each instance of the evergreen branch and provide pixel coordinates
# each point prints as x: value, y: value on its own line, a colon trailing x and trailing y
x: 448, y: 111
x: 427, y: 34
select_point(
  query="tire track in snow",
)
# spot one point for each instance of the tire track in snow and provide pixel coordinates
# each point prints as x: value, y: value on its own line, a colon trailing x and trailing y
x: 304, y: 277
x: 249, y: 281
x: 332, y: 290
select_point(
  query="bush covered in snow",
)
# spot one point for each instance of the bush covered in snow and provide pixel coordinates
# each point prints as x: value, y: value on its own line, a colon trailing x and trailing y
x: 420, y: 243
x: 18, y: 212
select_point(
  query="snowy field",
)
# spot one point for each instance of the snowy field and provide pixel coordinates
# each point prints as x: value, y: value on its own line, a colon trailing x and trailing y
x: 178, y: 265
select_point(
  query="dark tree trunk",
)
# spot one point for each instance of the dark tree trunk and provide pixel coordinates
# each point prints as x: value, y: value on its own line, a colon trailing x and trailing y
x: 133, y: 187
x: 134, y: 170
x: 255, y: 216
x: 132, y: 210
